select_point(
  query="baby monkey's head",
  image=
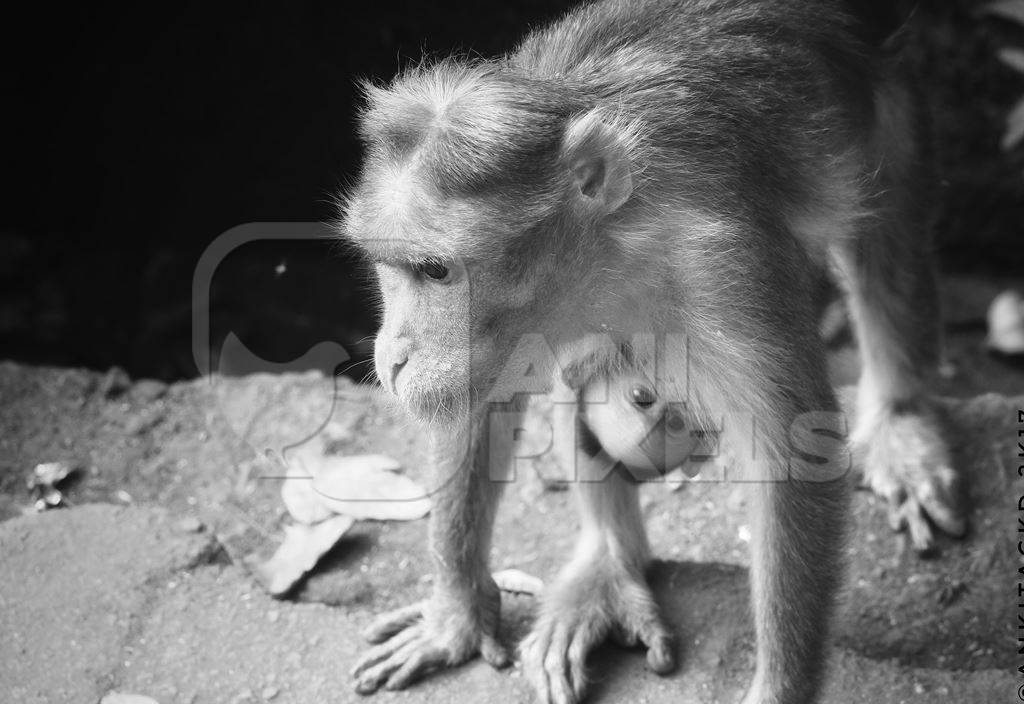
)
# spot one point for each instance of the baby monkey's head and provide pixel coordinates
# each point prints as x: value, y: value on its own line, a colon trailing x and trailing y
x: 636, y: 426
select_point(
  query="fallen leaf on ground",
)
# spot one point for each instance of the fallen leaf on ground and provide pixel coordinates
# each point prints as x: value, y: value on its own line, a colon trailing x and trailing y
x: 302, y: 548
x: 302, y: 502
x: 118, y: 698
x: 518, y: 582
x: 367, y: 487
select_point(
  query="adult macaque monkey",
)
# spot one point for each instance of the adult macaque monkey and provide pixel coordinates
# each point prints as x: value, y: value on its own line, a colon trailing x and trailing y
x: 669, y: 171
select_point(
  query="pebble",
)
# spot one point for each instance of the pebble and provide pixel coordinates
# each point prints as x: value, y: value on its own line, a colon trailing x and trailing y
x: 269, y: 693
x: 149, y: 390
x: 189, y: 524
x: 243, y: 697
x: 119, y: 698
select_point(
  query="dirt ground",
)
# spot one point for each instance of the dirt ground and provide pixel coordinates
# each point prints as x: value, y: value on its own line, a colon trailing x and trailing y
x: 143, y: 586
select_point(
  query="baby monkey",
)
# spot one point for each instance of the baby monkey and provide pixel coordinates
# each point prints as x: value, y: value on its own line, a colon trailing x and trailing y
x: 624, y: 417
x: 627, y: 433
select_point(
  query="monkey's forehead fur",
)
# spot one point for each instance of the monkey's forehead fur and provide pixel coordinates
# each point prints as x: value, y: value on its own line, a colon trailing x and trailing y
x: 461, y: 153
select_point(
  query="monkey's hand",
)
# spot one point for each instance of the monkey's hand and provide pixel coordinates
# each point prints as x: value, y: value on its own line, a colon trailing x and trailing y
x: 444, y: 631
x: 907, y: 462
x: 584, y: 607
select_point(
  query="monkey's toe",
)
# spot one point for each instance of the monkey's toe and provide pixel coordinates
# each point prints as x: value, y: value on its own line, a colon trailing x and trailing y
x: 387, y: 625
x: 404, y: 661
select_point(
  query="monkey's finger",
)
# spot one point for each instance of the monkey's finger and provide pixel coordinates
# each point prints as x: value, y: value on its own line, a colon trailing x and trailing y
x: 382, y: 652
x: 661, y: 657
x: 387, y: 625
x: 531, y: 654
x: 642, y: 619
x: 939, y: 497
x: 921, y: 537
x: 583, y: 641
x: 660, y: 647
x: 897, y: 519
x: 371, y: 679
x: 423, y: 659
x: 622, y: 637
x: 493, y: 652
x: 556, y: 667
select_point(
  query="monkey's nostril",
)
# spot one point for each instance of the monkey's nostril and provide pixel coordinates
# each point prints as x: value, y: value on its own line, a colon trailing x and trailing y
x: 395, y: 369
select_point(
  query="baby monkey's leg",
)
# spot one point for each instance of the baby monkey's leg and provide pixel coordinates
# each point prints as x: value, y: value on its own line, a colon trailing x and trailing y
x: 602, y: 592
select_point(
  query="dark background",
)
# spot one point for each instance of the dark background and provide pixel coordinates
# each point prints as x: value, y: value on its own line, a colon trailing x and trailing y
x: 142, y: 133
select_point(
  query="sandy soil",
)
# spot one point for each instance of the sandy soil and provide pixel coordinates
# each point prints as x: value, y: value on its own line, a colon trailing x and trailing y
x: 142, y: 585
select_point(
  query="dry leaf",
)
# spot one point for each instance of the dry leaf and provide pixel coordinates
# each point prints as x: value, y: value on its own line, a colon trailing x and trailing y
x: 302, y: 502
x: 367, y: 487
x: 302, y: 548
x: 518, y: 582
x: 119, y: 698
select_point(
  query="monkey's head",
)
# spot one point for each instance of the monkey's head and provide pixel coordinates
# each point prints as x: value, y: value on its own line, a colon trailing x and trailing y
x: 478, y: 191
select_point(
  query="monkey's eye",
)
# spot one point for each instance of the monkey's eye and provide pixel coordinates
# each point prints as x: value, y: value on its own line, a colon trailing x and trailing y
x: 643, y: 397
x: 433, y: 269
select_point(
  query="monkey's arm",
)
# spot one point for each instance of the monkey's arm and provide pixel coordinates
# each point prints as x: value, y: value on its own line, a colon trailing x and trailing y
x: 461, y: 617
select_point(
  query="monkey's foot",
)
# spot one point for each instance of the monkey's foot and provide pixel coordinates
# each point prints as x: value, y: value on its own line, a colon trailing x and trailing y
x: 907, y: 462
x: 578, y: 614
x: 423, y: 637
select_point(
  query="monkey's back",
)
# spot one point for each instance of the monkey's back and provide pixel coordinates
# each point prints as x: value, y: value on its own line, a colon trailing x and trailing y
x: 749, y: 96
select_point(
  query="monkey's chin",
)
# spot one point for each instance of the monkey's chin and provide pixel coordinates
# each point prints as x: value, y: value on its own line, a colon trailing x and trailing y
x: 440, y: 407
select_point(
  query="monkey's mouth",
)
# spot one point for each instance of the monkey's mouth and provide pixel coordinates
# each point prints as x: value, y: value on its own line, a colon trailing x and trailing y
x: 431, y: 404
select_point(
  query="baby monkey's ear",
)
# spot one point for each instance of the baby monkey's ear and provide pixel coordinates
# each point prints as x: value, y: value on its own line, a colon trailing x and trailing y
x: 598, y: 160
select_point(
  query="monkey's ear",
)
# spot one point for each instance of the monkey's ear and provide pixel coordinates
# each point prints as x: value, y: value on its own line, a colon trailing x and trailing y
x: 598, y: 162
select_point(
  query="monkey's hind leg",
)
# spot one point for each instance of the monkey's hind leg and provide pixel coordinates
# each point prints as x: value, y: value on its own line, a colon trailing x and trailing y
x: 890, y: 281
x: 602, y: 592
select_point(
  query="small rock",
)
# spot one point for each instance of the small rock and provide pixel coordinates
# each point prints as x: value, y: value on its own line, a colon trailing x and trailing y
x: 273, y: 615
x: 189, y: 524
x: 269, y: 693
x: 49, y: 474
x: 518, y: 582
x: 148, y: 390
x: 115, y: 383
x: 119, y: 698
